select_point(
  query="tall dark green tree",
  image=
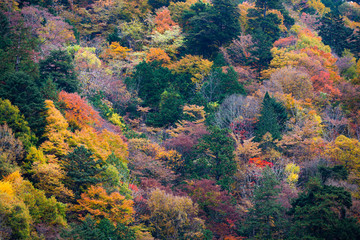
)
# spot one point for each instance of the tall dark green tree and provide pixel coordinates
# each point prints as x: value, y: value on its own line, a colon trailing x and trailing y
x: 211, y: 26
x: 216, y: 156
x: 5, y: 42
x: 89, y: 229
x: 334, y: 32
x: 59, y: 68
x: 272, y: 119
x: 82, y: 170
x: 320, y: 213
x: 22, y: 91
x: 265, y: 219
x: 17, y: 45
x: 265, y: 31
x: 149, y: 81
x: 170, y: 109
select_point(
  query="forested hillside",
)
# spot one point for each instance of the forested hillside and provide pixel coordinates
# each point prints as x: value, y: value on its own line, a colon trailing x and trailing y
x: 179, y: 119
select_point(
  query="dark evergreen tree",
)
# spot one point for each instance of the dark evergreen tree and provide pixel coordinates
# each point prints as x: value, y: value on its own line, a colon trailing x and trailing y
x: 17, y: 45
x: 320, y: 213
x: 265, y: 31
x: 218, y: 85
x: 159, y: 3
x: 215, y: 156
x: 82, y: 170
x: 334, y: 4
x: 59, y: 68
x: 89, y: 229
x: 211, y: 26
x: 229, y: 84
x: 170, y: 109
x: 272, y: 119
x: 181, y: 83
x: 5, y: 42
x: 149, y: 81
x: 265, y: 220
x: 22, y: 91
x: 334, y: 32
x: 337, y: 172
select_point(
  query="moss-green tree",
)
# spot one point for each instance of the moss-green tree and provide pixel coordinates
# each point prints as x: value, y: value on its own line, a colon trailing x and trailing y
x: 211, y: 26
x: 216, y: 156
x: 320, y: 213
x: 22, y: 91
x: 265, y: 219
x: 59, y: 68
x: 272, y: 119
x: 81, y: 170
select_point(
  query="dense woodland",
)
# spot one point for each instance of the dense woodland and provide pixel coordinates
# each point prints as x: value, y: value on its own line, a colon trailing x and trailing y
x: 179, y: 119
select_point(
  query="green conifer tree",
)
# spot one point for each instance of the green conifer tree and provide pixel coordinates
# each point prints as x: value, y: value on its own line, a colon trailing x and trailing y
x: 320, y: 213
x: 59, y: 68
x: 265, y: 218
x: 272, y: 119
x: 211, y: 26
x: 216, y: 156
x: 82, y: 170
x: 22, y: 91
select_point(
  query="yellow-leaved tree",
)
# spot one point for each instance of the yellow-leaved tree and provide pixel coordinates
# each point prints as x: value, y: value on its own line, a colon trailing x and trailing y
x: 99, y: 204
x: 196, y: 66
x: 346, y: 151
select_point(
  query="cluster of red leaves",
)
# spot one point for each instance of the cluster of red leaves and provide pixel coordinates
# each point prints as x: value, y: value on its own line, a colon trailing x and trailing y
x: 78, y: 112
x: 163, y: 20
x: 260, y: 163
x: 285, y: 42
x: 323, y: 83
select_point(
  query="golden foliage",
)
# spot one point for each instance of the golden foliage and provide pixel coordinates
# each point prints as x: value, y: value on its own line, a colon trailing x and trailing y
x: 99, y: 204
x: 170, y: 158
x: 56, y: 132
x: 171, y: 216
x: 292, y: 171
x: 102, y: 144
x: 246, y: 150
x: 318, y: 6
x: 244, y: 8
x: 194, y: 65
x: 157, y: 54
x: 115, y: 52
x: 49, y: 177
x: 6, y: 187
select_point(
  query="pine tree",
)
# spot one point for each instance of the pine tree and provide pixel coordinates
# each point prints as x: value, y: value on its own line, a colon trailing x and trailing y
x: 334, y: 32
x: 272, y: 119
x: 20, y: 89
x: 210, y: 27
x: 59, y: 68
x: 216, y: 156
x: 320, y: 213
x: 265, y: 218
x: 265, y: 30
x: 82, y: 170
x: 169, y: 109
x: 150, y: 80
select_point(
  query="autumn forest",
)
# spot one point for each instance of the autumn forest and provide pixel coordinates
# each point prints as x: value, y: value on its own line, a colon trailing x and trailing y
x: 180, y: 119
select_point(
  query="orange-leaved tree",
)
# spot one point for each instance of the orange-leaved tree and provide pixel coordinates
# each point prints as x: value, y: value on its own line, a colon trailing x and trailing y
x: 99, y: 204
x: 78, y: 111
x: 163, y: 20
x: 56, y: 132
